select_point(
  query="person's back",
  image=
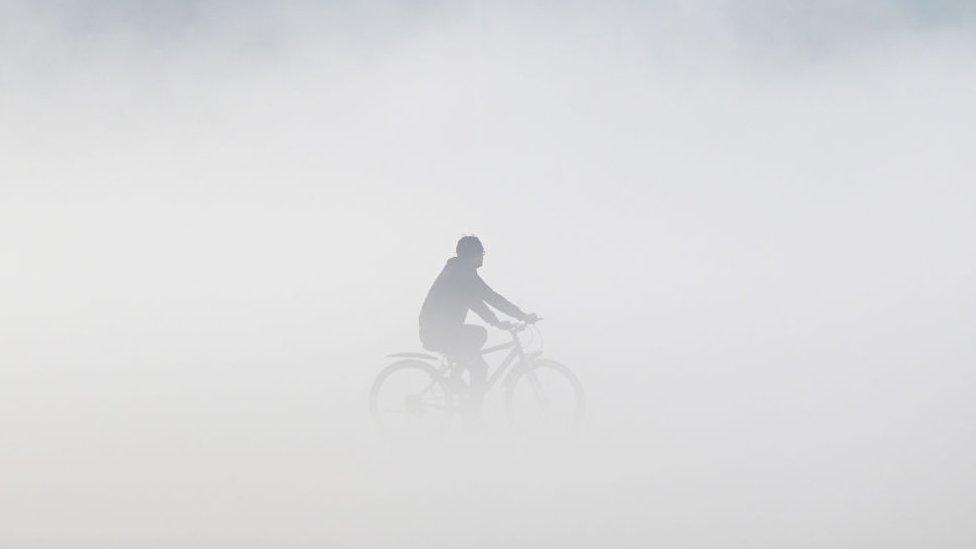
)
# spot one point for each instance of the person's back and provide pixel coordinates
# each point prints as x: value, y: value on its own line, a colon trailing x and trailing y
x: 446, y: 306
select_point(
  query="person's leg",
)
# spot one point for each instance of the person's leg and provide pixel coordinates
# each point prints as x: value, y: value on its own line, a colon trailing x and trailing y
x: 463, y: 346
x: 471, y: 339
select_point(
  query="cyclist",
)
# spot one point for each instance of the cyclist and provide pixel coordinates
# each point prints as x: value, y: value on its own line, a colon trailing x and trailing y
x: 457, y: 289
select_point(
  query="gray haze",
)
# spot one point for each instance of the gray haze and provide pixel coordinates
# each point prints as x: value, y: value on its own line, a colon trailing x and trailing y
x: 748, y: 226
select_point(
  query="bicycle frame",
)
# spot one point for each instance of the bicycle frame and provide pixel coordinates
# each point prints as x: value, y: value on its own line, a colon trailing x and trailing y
x: 516, y: 355
x: 445, y: 394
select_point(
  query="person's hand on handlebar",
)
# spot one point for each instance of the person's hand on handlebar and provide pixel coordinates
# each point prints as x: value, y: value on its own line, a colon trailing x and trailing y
x: 506, y: 325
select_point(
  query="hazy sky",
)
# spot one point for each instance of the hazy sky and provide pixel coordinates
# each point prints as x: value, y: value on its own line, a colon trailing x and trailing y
x: 746, y: 224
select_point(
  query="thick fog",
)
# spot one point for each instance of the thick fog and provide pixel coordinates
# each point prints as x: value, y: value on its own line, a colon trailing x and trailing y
x: 748, y: 227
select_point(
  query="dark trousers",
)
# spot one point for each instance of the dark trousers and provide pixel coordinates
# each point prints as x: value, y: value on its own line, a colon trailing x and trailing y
x: 462, y: 344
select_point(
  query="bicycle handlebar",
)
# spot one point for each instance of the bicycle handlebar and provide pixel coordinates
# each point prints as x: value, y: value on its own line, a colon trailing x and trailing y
x: 523, y: 325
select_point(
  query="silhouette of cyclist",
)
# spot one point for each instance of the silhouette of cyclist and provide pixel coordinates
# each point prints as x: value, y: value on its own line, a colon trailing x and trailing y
x: 457, y: 289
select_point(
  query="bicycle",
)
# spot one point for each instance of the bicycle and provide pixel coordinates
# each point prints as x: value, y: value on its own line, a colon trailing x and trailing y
x: 421, y: 393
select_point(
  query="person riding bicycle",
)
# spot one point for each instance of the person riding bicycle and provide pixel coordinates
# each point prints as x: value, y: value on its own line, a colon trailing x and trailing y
x: 457, y: 289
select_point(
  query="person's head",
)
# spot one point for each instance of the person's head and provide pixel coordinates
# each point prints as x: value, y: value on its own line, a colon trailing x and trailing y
x: 470, y: 251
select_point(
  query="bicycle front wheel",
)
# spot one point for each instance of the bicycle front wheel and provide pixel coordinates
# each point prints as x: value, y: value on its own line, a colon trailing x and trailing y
x: 410, y: 399
x: 545, y: 397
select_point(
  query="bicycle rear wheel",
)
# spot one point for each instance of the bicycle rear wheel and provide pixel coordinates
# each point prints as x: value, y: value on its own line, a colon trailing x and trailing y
x: 545, y: 397
x: 409, y: 398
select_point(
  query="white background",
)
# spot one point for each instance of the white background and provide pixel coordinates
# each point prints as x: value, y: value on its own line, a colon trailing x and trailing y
x: 748, y: 227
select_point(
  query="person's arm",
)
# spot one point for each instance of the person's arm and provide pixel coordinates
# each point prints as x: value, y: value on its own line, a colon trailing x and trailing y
x: 495, y: 299
x: 482, y: 310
